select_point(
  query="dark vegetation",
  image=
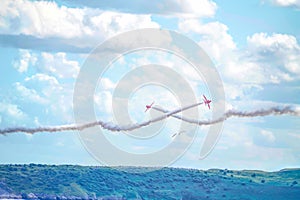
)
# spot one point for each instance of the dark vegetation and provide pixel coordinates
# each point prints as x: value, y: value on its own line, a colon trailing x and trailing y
x: 78, y: 182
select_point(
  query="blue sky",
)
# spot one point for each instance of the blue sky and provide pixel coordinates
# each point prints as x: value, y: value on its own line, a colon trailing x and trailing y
x: 255, y: 46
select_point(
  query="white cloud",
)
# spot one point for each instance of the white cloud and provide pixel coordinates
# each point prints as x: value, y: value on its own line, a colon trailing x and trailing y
x: 219, y: 45
x: 54, y: 64
x: 42, y: 77
x: 276, y: 50
x: 41, y: 18
x: 234, y: 92
x: 200, y: 8
x: 265, y: 58
x: 214, y: 36
x: 46, y: 85
x: 58, y: 65
x: 49, y: 83
x: 103, y: 101
x: 26, y: 59
x: 110, y: 23
x: 107, y: 84
x: 29, y: 94
x: 43, y: 80
x: 274, y: 42
x: 11, y: 113
x: 286, y: 3
x: 186, y: 8
x: 14, y: 111
x: 268, y: 135
x: 44, y: 19
x: 55, y: 96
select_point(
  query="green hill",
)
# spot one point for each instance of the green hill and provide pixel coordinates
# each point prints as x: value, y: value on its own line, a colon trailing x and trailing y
x: 82, y: 182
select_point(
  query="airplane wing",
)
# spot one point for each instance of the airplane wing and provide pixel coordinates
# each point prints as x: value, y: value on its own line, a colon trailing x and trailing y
x: 205, y: 97
x: 208, y: 105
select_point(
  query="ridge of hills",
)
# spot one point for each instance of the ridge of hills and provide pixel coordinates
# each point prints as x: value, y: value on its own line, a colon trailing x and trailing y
x: 37, y: 181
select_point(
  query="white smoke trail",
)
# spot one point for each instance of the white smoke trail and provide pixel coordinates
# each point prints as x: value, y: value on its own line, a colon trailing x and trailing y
x: 105, y: 125
x: 287, y: 110
x: 113, y: 127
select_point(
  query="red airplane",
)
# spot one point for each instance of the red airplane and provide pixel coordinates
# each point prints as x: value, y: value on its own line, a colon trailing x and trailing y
x: 206, y: 101
x: 149, y: 106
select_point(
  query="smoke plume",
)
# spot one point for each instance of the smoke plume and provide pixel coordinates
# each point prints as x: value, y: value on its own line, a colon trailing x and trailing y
x: 235, y: 113
x: 114, y: 127
x: 105, y: 125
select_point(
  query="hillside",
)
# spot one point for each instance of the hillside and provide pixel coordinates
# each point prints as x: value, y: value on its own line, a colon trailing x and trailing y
x: 82, y: 182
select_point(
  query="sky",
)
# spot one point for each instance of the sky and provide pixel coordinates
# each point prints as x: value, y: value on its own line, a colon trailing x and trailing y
x: 254, y: 45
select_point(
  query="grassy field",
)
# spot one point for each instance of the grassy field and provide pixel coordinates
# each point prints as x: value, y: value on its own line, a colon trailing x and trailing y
x: 69, y: 181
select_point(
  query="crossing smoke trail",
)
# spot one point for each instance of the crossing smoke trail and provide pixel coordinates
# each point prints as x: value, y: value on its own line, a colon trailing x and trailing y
x: 113, y: 127
x: 234, y: 113
x: 105, y: 125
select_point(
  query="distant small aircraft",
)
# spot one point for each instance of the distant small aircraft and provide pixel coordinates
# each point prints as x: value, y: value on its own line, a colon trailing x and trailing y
x: 149, y: 106
x: 206, y: 101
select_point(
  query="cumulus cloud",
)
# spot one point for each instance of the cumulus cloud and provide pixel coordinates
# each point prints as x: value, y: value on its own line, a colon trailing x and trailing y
x: 54, y: 64
x: 246, y: 71
x: 214, y: 39
x: 39, y: 18
x: 286, y: 3
x: 199, y: 8
x: 11, y: 110
x: 40, y: 88
x: 50, y: 80
x: 79, y: 27
x: 58, y: 65
x: 48, y: 84
x: 29, y: 94
x: 11, y: 113
x: 265, y: 58
x: 103, y: 101
x: 107, y: 84
x: 278, y: 50
x: 214, y: 36
x: 26, y: 59
x: 53, y: 94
